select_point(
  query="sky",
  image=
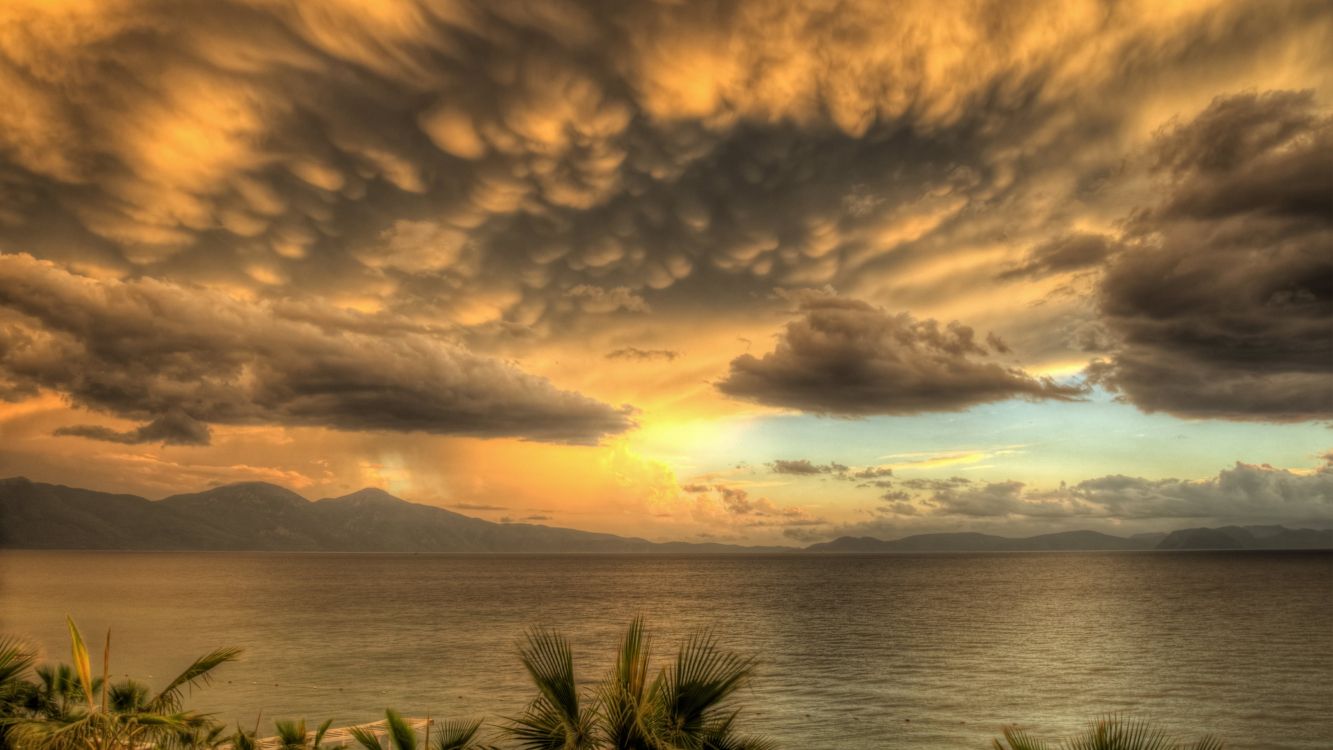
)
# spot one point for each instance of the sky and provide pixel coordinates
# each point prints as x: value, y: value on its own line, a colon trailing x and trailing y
x: 767, y: 271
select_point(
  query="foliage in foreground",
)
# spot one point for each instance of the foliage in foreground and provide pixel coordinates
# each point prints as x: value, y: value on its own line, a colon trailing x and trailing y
x: 1113, y: 732
x: 67, y: 708
x: 689, y: 703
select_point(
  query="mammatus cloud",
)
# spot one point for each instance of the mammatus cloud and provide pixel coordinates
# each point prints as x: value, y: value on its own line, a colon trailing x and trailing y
x: 476, y: 162
x: 179, y: 356
x: 1223, y: 301
x: 1071, y: 252
x: 847, y: 358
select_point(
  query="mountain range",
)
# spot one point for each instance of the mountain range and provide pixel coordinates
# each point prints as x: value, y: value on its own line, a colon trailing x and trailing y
x: 1226, y: 537
x: 261, y: 516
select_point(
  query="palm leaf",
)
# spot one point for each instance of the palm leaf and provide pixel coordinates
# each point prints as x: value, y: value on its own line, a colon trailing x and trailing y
x: 16, y: 658
x: 198, y: 673
x: 457, y: 734
x: 291, y: 734
x: 697, y: 688
x: 1019, y: 739
x: 550, y: 662
x: 1115, y: 732
x: 366, y: 738
x: 401, y: 736
x: 621, y: 697
x: 242, y: 740
x: 81, y: 663
x: 321, y: 731
x: 555, y: 720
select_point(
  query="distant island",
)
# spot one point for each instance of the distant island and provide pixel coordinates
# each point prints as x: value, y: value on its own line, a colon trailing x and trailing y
x: 257, y: 516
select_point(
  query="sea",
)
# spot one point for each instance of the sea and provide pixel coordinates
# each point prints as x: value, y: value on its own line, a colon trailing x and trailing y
x: 857, y: 651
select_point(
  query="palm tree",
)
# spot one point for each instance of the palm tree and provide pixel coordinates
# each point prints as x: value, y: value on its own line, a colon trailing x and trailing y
x: 1111, y: 732
x: 556, y: 719
x: 123, y: 715
x: 17, y: 694
x: 687, y: 706
x: 451, y: 735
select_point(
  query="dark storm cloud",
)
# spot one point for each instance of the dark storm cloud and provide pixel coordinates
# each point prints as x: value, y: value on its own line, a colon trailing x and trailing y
x: 637, y: 354
x: 847, y: 358
x: 156, y: 351
x: 1223, y: 303
x: 1063, y: 254
x: 414, y: 152
x: 520, y: 167
x: 172, y: 428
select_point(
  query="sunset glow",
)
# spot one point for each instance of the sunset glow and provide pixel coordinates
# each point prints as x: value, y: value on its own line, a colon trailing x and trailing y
x: 879, y: 269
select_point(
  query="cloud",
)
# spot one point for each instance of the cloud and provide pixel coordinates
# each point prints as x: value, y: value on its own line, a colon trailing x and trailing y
x: 803, y: 467
x: 1072, y: 252
x: 179, y: 356
x: 847, y: 358
x: 1244, y: 494
x: 872, y: 472
x: 173, y: 428
x: 635, y: 353
x: 392, y: 156
x: 595, y: 299
x: 479, y: 506
x: 1222, y: 304
x: 726, y: 505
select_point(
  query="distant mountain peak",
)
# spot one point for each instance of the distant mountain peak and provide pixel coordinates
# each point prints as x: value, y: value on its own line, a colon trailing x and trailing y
x: 367, y: 495
x: 241, y: 492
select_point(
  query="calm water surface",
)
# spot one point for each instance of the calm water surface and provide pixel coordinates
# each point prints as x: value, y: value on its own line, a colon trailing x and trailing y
x: 894, y: 651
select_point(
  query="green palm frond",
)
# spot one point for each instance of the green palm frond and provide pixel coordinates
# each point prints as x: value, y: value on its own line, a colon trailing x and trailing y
x: 16, y: 659
x: 550, y: 663
x: 555, y: 720
x: 1115, y: 732
x: 243, y: 740
x: 320, y: 732
x: 401, y: 736
x: 545, y: 727
x: 740, y: 742
x: 621, y: 698
x: 1109, y: 732
x: 198, y: 673
x: 366, y: 738
x: 457, y: 734
x: 695, y: 691
x: 291, y: 734
x: 1018, y: 739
